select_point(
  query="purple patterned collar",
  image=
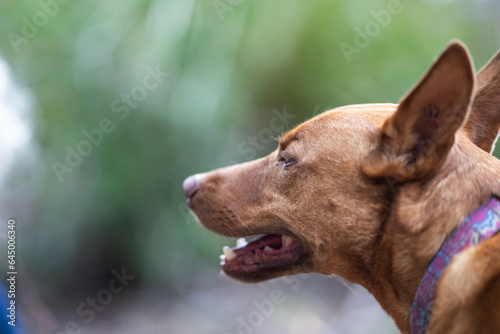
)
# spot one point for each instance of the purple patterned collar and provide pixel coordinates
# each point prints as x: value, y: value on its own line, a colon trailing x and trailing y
x: 481, y: 224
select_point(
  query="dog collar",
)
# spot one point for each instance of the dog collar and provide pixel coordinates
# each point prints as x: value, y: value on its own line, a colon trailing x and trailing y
x: 481, y: 224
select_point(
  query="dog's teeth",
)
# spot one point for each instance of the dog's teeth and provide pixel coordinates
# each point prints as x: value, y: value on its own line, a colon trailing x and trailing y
x: 267, y: 248
x: 228, y: 252
x: 241, y: 242
x: 286, y: 240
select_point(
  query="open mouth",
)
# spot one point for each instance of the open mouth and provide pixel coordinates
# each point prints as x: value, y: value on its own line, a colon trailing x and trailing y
x: 269, y: 251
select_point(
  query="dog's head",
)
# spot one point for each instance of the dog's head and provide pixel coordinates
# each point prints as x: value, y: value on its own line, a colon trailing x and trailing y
x: 322, y: 198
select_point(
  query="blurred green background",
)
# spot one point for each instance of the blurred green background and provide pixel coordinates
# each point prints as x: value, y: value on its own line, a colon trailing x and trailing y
x: 232, y: 65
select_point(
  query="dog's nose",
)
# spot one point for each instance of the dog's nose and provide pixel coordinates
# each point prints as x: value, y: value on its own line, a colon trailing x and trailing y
x: 190, y: 186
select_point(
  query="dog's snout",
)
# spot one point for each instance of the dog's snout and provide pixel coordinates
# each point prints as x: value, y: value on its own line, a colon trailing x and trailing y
x: 190, y: 186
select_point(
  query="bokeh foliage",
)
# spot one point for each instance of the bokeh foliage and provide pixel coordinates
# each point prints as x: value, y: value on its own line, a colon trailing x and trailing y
x: 228, y: 71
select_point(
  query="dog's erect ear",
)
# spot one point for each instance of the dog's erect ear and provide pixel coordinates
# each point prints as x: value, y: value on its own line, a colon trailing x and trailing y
x: 484, y: 121
x: 415, y: 141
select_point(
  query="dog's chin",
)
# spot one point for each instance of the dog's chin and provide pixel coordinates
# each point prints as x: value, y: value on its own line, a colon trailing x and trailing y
x: 266, y: 274
x: 266, y: 257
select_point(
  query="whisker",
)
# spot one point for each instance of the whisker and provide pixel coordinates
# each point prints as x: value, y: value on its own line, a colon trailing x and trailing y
x: 345, y: 284
x: 243, y: 223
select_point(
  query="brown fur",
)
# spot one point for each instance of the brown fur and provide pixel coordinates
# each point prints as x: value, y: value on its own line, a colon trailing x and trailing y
x: 484, y: 121
x: 374, y: 192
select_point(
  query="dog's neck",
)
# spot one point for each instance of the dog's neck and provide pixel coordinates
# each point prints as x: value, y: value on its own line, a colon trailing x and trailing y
x: 482, y: 224
x: 423, y: 215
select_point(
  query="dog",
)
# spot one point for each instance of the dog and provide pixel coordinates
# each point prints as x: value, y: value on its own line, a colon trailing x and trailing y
x: 386, y: 195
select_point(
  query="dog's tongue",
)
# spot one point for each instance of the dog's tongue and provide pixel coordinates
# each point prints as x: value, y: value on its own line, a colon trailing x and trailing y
x: 270, y: 250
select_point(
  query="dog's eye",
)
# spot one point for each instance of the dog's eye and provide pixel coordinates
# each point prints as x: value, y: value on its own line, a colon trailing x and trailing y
x: 286, y: 161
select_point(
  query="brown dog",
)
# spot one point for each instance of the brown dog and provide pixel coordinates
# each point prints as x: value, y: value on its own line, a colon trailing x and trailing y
x: 371, y: 192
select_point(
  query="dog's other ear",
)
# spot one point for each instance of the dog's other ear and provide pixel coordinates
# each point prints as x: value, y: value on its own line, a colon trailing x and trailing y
x: 484, y: 121
x: 416, y: 139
